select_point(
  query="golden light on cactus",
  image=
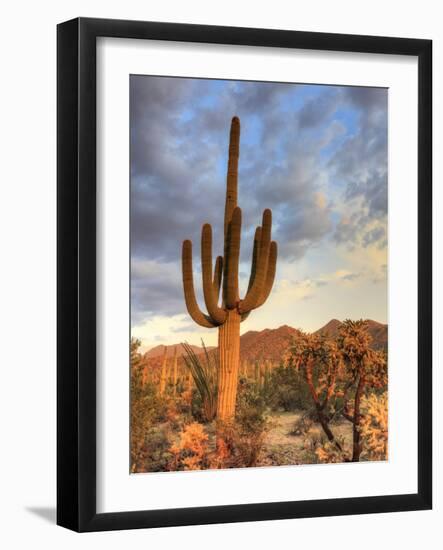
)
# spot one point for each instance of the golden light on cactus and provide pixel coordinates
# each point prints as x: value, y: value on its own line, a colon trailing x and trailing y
x: 163, y: 374
x: 245, y: 369
x: 145, y: 375
x: 174, y: 371
x: 257, y: 372
x: 230, y: 311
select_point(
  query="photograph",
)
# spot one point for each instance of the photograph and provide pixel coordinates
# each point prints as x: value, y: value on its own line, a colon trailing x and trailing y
x: 258, y: 269
x: 221, y: 254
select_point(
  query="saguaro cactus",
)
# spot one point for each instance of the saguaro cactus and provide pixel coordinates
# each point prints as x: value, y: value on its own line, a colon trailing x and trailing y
x: 164, y: 373
x: 174, y: 371
x: 233, y: 310
x: 245, y: 369
x: 145, y: 375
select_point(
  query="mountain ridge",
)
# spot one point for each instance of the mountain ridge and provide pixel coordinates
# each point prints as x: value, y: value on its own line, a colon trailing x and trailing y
x: 270, y: 344
x: 377, y: 330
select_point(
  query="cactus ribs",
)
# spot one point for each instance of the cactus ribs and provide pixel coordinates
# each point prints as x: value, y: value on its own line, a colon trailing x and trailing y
x: 232, y: 311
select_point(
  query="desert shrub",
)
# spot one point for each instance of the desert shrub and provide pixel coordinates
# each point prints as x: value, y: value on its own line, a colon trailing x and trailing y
x: 317, y: 449
x: 191, y: 451
x: 286, y: 390
x: 310, y: 444
x: 250, y: 408
x: 303, y: 424
x: 374, y: 427
x: 197, y: 407
x: 328, y: 453
x: 183, y: 404
x: 173, y: 417
x: 154, y: 454
x: 243, y: 439
x: 147, y: 410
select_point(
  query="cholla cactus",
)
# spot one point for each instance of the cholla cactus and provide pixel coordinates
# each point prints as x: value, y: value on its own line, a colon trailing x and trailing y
x: 228, y: 316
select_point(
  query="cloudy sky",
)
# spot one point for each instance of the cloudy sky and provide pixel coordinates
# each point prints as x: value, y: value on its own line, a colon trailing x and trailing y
x: 316, y: 155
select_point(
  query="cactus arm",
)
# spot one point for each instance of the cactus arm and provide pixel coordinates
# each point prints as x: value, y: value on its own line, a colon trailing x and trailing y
x: 188, y: 286
x: 232, y: 176
x: 252, y: 298
x: 257, y: 239
x: 218, y: 272
x: 270, y: 274
x: 216, y: 313
x: 230, y: 279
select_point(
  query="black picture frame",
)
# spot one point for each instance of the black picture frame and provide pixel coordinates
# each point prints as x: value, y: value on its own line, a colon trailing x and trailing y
x: 76, y: 265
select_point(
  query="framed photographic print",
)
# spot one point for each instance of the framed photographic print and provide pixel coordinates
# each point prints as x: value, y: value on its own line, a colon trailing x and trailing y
x: 244, y: 274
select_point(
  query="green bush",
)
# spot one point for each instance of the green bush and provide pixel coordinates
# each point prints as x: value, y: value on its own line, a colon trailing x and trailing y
x: 197, y: 408
x: 147, y: 409
x: 250, y: 408
x: 287, y: 390
x: 245, y: 436
x: 155, y: 455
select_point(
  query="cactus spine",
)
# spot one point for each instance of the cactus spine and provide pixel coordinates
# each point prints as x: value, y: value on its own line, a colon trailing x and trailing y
x: 233, y: 310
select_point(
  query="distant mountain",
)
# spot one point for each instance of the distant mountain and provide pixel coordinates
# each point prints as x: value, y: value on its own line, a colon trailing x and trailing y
x: 154, y: 356
x: 270, y: 344
x: 330, y: 329
x: 378, y: 332
x: 158, y: 351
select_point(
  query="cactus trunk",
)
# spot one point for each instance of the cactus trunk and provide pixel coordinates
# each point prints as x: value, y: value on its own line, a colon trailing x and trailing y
x: 163, y: 374
x: 174, y: 379
x: 245, y: 369
x: 229, y: 358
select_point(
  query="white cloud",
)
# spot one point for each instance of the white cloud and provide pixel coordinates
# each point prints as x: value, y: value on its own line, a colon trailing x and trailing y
x: 165, y: 330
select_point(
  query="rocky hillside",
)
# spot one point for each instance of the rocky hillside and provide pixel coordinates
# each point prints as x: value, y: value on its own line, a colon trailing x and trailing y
x: 270, y: 344
x: 158, y: 351
x: 154, y: 356
x: 378, y: 332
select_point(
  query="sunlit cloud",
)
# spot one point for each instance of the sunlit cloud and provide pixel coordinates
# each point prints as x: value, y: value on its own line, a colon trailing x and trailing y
x: 315, y: 155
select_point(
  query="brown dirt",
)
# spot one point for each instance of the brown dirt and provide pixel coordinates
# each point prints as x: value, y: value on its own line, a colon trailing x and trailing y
x: 284, y: 447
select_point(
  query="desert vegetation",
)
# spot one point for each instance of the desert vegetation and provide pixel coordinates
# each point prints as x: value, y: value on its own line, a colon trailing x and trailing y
x: 309, y: 398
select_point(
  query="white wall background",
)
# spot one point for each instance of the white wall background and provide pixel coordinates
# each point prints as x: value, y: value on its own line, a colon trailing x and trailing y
x: 27, y: 288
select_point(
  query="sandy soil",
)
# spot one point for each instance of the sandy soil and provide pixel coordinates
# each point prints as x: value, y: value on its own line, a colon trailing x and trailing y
x: 284, y: 447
